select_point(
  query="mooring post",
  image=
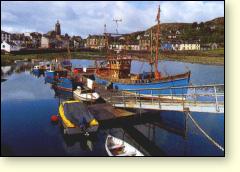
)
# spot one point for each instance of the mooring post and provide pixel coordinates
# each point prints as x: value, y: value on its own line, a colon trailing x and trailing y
x: 215, y: 91
x: 186, y: 111
x: 152, y: 95
x: 136, y: 97
x: 159, y: 103
x: 123, y: 95
x: 182, y: 99
x: 171, y: 93
x: 140, y: 104
x: 195, y: 96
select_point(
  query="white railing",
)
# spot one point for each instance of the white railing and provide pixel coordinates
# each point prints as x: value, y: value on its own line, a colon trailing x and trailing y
x: 211, y: 95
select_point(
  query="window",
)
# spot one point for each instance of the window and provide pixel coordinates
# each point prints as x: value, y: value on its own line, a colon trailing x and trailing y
x: 3, y: 46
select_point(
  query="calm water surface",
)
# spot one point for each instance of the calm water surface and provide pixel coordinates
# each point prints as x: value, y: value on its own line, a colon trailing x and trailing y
x: 28, y: 103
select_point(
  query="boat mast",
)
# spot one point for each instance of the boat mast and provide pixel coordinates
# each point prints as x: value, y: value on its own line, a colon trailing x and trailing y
x: 69, y: 53
x: 157, y: 74
x: 106, y: 38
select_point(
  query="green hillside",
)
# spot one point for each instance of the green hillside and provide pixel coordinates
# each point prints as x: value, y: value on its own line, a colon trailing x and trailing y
x: 206, y: 32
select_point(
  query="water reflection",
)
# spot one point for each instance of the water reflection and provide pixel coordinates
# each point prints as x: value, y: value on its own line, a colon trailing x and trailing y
x: 153, y: 133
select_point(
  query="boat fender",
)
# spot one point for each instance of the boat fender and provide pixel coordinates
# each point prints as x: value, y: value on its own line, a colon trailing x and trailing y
x: 54, y: 118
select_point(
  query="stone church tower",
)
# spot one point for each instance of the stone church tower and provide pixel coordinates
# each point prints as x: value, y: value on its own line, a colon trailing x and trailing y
x: 57, y: 28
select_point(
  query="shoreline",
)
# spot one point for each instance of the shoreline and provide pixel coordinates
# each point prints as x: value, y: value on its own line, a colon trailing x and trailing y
x: 195, y: 57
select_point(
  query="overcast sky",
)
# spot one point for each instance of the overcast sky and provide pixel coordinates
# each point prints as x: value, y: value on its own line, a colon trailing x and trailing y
x: 83, y: 18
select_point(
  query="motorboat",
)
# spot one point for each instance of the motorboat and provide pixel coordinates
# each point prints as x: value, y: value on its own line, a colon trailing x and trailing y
x: 85, y: 94
x: 76, y: 118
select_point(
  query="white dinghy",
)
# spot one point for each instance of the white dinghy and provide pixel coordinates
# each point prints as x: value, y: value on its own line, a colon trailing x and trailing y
x: 117, y: 147
x: 85, y: 95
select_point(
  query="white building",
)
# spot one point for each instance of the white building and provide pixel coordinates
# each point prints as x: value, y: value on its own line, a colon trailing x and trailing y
x: 45, y: 42
x: 5, y: 36
x: 27, y: 34
x: 9, y: 46
x: 186, y: 46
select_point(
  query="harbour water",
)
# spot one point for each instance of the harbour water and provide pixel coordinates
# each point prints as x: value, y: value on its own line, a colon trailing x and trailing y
x: 27, y: 104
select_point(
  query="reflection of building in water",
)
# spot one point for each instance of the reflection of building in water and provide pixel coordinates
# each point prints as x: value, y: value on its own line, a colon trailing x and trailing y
x: 6, y: 70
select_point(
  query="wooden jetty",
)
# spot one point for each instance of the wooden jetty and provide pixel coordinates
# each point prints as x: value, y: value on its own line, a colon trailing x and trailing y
x: 105, y: 112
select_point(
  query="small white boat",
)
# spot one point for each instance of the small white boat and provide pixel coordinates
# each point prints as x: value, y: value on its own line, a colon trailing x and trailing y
x: 117, y: 147
x: 36, y: 67
x: 85, y: 95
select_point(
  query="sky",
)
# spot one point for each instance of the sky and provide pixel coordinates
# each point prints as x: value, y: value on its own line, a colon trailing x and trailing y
x: 84, y: 18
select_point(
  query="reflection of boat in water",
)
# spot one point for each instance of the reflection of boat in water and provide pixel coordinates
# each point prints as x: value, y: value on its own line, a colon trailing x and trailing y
x: 115, y: 73
x: 117, y: 147
x: 76, y: 118
x: 85, y: 95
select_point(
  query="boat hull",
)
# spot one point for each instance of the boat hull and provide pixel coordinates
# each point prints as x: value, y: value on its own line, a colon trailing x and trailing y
x: 85, y: 97
x: 49, y: 76
x: 64, y: 84
x: 76, y: 119
x: 145, y: 88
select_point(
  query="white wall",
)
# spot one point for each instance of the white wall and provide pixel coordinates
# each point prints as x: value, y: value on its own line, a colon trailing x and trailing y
x: 7, y: 47
x: 44, y: 42
x: 189, y: 47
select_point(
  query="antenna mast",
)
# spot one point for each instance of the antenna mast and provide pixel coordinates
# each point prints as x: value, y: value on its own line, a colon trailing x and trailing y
x: 117, y: 20
x: 106, y: 36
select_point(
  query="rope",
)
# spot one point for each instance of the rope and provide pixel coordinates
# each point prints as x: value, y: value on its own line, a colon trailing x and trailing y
x: 208, y: 137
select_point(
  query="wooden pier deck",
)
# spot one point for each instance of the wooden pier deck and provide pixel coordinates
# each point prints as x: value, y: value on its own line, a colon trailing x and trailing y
x: 104, y: 112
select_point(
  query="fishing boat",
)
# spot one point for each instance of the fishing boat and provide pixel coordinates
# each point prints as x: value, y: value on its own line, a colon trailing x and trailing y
x: 66, y: 64
x: 41, y: 67
x: 115, y: 74
x: 85, y: 94
x: 66, y: 83
x: 35, y: 69
x: 117, y: 147
x: 63, y: 84
x: 52, y: 74
x: 76, y: 118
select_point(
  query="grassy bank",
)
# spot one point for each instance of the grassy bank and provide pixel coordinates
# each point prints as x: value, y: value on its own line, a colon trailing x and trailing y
x: 214, y: 57
x: 211, y: 57
x: 8, y: 59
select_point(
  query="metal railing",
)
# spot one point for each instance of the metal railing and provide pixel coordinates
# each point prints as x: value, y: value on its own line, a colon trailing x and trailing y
x: 211, y: 95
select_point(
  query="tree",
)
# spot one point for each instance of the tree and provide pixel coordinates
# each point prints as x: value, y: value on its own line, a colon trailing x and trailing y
x: 194, y: 25
x: 201, y: 25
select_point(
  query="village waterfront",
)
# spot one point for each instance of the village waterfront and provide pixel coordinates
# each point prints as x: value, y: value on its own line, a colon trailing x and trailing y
x: 27, y: 103
x: 114, y: 83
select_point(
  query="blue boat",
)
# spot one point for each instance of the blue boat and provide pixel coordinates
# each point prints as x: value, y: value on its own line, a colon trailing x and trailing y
x: 145, y: 86
x: 66, y: 64
x: 49, y: 76
x: 66, y: 84
x: 115, y: 74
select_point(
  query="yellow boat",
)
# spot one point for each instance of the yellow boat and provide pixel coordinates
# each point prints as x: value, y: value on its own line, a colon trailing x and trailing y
x: 76, y: 118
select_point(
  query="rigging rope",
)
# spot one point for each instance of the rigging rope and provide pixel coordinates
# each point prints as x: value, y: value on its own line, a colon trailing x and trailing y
x: 205, y: 134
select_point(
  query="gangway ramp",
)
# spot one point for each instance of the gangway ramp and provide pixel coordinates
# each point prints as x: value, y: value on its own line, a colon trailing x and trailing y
x: 203, y: 98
